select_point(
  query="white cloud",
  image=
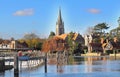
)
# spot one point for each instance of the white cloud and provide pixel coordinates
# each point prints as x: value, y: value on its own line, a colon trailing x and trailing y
x: 94, y: 11
x: 24, y: 12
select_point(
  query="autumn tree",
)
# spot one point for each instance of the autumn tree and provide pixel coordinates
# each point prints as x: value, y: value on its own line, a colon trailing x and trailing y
x: 54, y: 44
x: 33, y: 41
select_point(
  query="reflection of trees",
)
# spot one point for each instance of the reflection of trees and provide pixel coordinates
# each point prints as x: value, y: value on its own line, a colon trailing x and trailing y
x: 75, y: 60
x: 70, y: 60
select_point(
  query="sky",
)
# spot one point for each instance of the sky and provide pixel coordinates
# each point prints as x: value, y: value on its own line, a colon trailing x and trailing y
x: 19, y: 17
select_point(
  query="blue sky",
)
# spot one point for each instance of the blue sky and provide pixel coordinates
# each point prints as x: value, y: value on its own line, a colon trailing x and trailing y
x: 18, y: 17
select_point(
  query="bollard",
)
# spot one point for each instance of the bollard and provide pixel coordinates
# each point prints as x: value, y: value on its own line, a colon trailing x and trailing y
x: 45, y: 62
x: 16, y: 66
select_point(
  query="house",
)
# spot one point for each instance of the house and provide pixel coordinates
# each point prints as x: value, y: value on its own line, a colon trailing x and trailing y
x: 111, y: 45
x: 59, y: 42
x: 7, y: 44
x: 76, y: 37
x: 95, y: 47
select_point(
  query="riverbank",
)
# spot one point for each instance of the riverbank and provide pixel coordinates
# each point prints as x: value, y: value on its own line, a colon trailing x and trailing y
x: 99, y: 54
x: 91, y: 54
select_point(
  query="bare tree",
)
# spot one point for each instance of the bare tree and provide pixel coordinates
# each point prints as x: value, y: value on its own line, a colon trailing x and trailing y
x: 89, y: 30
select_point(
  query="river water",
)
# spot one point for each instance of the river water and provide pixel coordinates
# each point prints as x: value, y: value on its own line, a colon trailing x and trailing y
x: 77, y: 67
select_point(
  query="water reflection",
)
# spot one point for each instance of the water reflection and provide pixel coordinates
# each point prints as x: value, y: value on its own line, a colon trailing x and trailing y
x: 107, y: 66
x: 95, y: 64
x: 60, y: 69
x: 2, y: 74
x: 92, y: 62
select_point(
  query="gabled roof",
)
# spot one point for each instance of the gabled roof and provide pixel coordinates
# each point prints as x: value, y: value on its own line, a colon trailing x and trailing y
x: 75, y: 36
x: 6, y: 41
x: 62, y: 36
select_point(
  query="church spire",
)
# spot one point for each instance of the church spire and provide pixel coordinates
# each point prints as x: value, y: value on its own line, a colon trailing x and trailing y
x: 59, y: 24
x: 59, y: 17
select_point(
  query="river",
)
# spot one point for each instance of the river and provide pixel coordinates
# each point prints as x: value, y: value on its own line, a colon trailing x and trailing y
x: 77, y: 67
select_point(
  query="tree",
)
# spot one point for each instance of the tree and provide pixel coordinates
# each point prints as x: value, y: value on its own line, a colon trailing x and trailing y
x: 39, y: 45
x: 100, y: 27
x: 54, y: 44
x: 1, y: 40
x: 89, y: 30
x: 30, y: 36
x: 33, y: 41
x: 51, y: 34
x: 12, y: 39
x: 116, y: 32
x: 71, y: 43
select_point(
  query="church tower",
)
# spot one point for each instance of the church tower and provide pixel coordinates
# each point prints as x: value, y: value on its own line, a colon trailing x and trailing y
x: 59, y: 25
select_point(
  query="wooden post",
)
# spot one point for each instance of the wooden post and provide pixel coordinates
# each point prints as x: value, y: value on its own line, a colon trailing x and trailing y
x: 2, y: 65
x: 45, y: 62
x: 16, y: 66
x: 115, y: 54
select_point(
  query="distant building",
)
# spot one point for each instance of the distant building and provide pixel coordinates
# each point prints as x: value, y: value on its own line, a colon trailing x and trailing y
x: 7, y: 44
x: 59, y: 25
x: 16, y: 44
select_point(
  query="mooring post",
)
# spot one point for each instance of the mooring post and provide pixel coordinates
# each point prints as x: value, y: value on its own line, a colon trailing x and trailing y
x: 45, y: 62
x: 2, y: 65
x: 115, y: 54
x: 16, y: 65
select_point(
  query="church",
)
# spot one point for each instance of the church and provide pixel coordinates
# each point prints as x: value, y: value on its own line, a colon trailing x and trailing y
x: 59, y: 41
